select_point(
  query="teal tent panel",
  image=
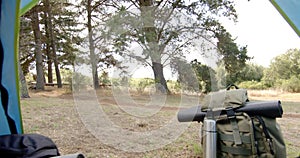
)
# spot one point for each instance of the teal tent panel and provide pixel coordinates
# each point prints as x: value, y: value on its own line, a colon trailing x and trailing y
x: 290, y: 10
x: 10, y: 114
x: 27, y: 5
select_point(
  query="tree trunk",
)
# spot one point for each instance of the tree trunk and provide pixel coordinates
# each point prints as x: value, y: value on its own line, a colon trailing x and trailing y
x: 48, y: 51
x: 52, y: 42
x: 22, y: 79
x: 40, y: 84
x: 93, y: 58
x: 23, y: 83
x: 49, y: 63
x: 147, y: 13
x: 159, y: 78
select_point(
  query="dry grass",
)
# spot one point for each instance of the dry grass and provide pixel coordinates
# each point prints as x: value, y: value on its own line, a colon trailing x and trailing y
x: 52, y: 113
x: 272, y: 94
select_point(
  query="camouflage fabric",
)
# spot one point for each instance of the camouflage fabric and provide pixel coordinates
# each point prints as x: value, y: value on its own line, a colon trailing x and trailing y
x: 238, y: 134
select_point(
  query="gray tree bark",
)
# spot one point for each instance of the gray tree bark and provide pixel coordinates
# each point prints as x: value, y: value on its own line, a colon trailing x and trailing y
x: 154, y: 52
x: 40, y: 84
x: 52, y: 42
x: 23, y: 83
x: 93, y: 58
x: 48, y: 50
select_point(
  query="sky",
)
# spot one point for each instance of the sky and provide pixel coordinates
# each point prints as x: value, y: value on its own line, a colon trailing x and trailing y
x: 263, y: 30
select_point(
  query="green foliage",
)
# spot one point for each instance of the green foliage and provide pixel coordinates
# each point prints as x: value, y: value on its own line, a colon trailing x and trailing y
x: 290, y: 85
x: 118, y: 81
x: 141, y: 84
x: 283, y: 73
x: 174, y: 86
x: 66, y: 30
x: 79, y: 81
x: 251, y: 72
x: 253, y: 85
x: 206, y: 76
x: 250, y: 77
x: 187, y: 78
x: 283, y: 68
x: 104, y: 79
x: 287, y: 65
x: 163, y: 29
x: 233, y: 57
x: 221, y: 76
x: 26, y: 43
x: 197, y: 149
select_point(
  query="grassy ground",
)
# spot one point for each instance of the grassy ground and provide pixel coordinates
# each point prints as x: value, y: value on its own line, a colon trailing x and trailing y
x: 53, y: 114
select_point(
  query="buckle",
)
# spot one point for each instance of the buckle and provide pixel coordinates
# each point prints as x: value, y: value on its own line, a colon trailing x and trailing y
x: 230, y: 113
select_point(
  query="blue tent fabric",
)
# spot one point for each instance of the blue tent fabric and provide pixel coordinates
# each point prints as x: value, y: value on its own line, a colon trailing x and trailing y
x: 10, y: 115
x: 27, y: 5
x: 290, y: 10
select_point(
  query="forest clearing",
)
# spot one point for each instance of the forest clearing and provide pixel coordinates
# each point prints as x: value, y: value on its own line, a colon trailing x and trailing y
x: 52, y: 113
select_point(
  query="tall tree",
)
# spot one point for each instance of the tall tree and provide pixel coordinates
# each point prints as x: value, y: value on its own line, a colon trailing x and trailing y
x: 148, y: 17
x: 26, y: 57
x: 65, y: 29
x: 48, y: 47
x: 101, y: 57
x: 40, y: 83
x: 93, y: 58
x: 164, y: 29
x: 233, y: 57
x: 52, y: 41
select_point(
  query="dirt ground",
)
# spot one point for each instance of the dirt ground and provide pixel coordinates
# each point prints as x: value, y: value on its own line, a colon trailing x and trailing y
x: 52, y: 113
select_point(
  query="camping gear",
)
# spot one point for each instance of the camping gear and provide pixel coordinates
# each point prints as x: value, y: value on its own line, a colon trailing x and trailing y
x: 209, y: 129
x: 270, y: 109
x: 242, y: 128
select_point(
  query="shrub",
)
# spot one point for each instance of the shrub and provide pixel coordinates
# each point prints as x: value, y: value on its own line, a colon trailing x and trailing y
x: 79, y: 81
x: 255, y: 85
x: 174, y: 86
x: 289, y: 85
x: 143, y: 84
x: 140, y: 84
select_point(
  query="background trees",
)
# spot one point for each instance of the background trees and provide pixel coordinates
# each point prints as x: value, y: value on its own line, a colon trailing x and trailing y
x: 284, y: 71
x: 165, y: 29
x: 206, y: 76
x: 233, y: 58
x: 159, y: 34
x: 56, y: 36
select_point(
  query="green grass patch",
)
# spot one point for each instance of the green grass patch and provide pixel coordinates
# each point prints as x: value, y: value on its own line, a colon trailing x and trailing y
x: 197, y: 149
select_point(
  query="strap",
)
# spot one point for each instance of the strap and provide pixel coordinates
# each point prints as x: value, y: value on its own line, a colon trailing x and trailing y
x: 229, y: 138
x: 255, y: 138
x: 231, y: 85
x: 269, y: 139
x: 210, y: 114
x: 234, y: 124
x: 236, y: 150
